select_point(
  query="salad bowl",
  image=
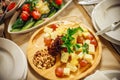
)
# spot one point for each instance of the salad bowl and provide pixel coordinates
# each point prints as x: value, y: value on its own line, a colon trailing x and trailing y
x: 20, y: 23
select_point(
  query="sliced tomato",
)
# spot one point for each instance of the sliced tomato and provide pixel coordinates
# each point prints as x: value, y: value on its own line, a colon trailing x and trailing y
x: 11, y: 6
x: 35, y: 14
x: 80, y: 39
x: 47, y: 41
x: 94, y: 42
x: 59, y: 72
x: 26, y: 7
x: 90, y: 37
x: 53, y: 26
x: 58, y: 2
x: 83, y: 63
x: 24, y: 15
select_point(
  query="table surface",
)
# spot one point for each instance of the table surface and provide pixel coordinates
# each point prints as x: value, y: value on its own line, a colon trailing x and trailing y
x: 110, y: 59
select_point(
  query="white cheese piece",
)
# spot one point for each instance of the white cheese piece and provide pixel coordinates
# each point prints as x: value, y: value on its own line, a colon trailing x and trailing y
x: 91, y: 48
x: 89, y: 58
x: 66, y: 71
x: 80, y: 55
x: 73, y: 68
x: 87, y: 41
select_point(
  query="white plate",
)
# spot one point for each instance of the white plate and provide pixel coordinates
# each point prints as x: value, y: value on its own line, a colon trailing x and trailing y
x: 104, y: 14
x: 12, y: 60
x: 13, y: 19
x: 104, y: 35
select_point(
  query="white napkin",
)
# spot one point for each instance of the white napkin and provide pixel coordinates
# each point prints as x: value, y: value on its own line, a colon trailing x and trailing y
x: 97, y: 76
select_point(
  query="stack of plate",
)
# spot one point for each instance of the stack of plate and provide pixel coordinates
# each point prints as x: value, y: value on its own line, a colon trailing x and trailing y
x: 103, y: 15
x: 13, y: 63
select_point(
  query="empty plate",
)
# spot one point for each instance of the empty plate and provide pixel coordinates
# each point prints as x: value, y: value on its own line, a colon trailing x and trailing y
x: 103, y: 15
x: 12, y: 60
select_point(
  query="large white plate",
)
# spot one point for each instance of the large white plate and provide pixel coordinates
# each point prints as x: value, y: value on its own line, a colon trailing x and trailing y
x: 104, y: 14
x: 13, y: 19
x: 12, y: 60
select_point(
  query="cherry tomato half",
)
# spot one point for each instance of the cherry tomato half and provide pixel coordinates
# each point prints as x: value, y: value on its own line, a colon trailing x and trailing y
x: 80, y: 39
x: 58, y: 2
x: 26, y: 7
x: 47, y: 41
x: 53, y: 26
x: 94, y: 42
x: 90, y: 37
x: 24, y: 15
x: 59, y: 72
x: 11, y: 6
x: 83, y: 63
x: 35, y: 14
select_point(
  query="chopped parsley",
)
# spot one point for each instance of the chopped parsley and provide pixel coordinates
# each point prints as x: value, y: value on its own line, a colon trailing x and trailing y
x: 68, y: 38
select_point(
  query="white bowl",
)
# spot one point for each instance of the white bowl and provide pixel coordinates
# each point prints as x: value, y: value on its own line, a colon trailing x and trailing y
x: 10, y: 13
x: 12, y: 60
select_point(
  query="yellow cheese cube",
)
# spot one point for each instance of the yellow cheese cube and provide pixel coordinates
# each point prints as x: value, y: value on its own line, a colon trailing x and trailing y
x: 64, y: 57
x: 48, y: 30
x: 85, y: 34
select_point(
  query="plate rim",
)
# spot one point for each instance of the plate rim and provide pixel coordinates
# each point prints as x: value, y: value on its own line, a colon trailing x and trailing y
x: 17, y: 73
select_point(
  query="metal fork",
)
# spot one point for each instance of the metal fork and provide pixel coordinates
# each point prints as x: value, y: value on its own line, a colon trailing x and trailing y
x: 88, y: 2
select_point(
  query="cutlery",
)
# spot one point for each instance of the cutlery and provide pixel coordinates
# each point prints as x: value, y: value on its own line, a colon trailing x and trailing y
x: 3, y: 16
x: 112, y: 27
x: 88, y: 2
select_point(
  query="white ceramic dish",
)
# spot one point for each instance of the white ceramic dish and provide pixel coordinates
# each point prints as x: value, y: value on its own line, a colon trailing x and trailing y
x: 12, y: 60
x: 67, y: 2
x: 103, y: 15
x: 10, y: 13
x: 104, y: 35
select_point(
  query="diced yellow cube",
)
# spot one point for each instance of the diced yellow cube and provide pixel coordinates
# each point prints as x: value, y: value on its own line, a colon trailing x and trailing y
x: 66, y: 71
x: 73, y: 68
x: 64, y: 57
x: 48, y: 30
x: 74, y: 61
x: 74, y: 55
x: 85, y: 34
x: 46, y: 35
x: 85, y: 29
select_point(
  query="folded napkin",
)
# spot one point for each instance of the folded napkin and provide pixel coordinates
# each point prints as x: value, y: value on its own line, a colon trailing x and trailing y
x: 99, y: 75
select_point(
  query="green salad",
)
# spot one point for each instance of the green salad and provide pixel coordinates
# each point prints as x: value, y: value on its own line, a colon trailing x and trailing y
x: 34, y: 12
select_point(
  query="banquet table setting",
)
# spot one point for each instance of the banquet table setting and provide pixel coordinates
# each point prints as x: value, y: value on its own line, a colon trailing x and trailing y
x: 60, y: 40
